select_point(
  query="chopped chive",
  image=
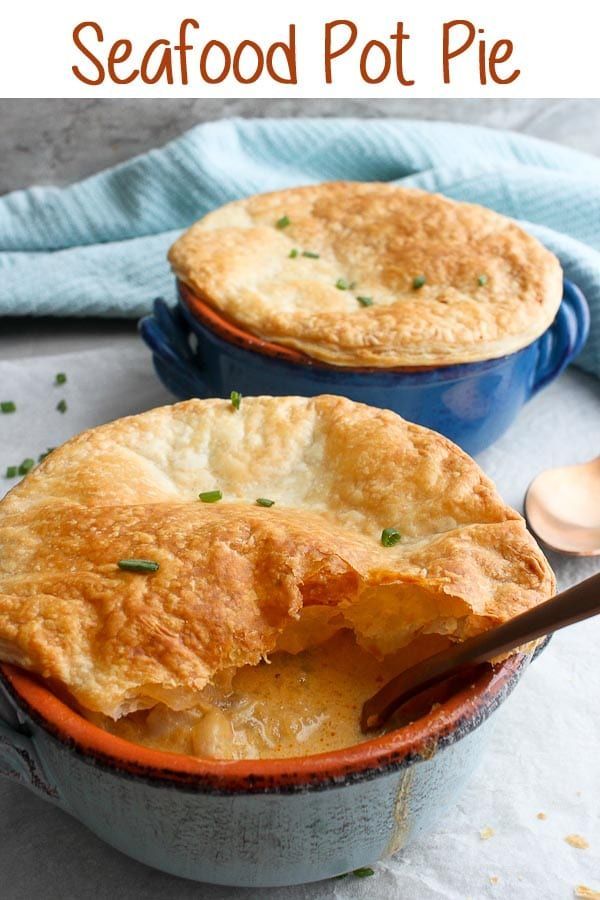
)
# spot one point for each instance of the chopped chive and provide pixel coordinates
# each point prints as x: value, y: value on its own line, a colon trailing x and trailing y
x: 365, y: 872
x: 310, y: 255
x: 26, y: 466
x: 138, y: 565
x: 341, y: 284
x: 210, y: 496
x: 236, y: 399
x: 43, y: 456
x: 12, y: 471
x: 365, y: 301
x: 294, y: 252
x: 263, y: 501
x: 390, y: 536
x: 283, y: 222
x: 7, y: 406
x: 482, y: 280
x: 418, y: 282
x: 62, y: 406
x: 60, y: 378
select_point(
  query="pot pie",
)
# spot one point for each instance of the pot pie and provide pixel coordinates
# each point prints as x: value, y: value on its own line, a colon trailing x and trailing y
x: 372, y: 275
x: 234, y: 579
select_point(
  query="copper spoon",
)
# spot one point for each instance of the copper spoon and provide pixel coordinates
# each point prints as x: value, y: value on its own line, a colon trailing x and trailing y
x: 461, y: 663
x: 562, y: 507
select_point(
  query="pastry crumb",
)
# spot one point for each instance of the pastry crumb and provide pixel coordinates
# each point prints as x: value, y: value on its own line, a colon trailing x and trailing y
x: 541, y: 815
x: 494, y: 879
x: 486, y: 833
x: 582, y: 890
x: 577, y: 841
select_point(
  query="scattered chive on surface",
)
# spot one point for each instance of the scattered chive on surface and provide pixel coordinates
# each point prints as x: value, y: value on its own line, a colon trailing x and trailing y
x: 418, y: 282
x: 341, y: 284
x: 60, y: 378
x: 236, y: 399
x: 62, y: 406
x: 264, y: 501
x: 482, y: 280
x: 294, y: 252
x: 390, y: 536
x: 365, y: 301
x: 12, y: 471
x: 365, y: 872
x: 43, y: 456
x: 7, y: 406
x: 310, y: 255
x: 210, y: 496
x: 283, y: 222
x: 138, y: 565
x: 26, y: 466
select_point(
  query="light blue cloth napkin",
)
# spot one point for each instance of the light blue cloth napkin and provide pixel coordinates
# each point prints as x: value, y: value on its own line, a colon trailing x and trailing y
x: 98, y: 247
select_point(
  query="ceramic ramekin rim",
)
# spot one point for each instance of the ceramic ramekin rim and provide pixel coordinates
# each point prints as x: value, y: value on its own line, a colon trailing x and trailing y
x: 420, y: 740
x: 198, y: 310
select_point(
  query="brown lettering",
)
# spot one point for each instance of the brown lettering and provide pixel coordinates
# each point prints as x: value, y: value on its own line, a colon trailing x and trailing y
x: 289, y: 53
x: 165, y: 66
x: 387, y: 62
x: 496, y: 59
x: 330, y: 54
x: 182, y: 47
x: 120, y: 53
x: 204, y: 61
x: 401, y: 37
x: 87, y: 53
x: 237, y: 58
x: 447, y: 54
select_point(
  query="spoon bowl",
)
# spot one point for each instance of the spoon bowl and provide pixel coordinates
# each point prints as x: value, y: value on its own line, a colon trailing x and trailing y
x: 562, y: 507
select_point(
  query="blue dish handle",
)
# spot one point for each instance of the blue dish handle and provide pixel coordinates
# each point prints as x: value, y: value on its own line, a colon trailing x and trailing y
x: 562, y: 342
x: 167, y: 335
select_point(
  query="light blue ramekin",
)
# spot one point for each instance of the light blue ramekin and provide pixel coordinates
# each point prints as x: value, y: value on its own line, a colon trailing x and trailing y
x: 257, y: 822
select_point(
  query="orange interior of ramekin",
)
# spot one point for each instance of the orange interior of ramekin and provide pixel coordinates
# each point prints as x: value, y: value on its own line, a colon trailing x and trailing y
x: 233, y: 333
x: 421, y: 737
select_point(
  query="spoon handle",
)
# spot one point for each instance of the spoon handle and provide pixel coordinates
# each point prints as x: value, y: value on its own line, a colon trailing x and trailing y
x: 573, y: 605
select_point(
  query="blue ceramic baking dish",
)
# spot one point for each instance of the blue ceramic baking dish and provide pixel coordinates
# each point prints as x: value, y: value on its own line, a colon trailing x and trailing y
x: 252, y: 823
x: 472, y: 404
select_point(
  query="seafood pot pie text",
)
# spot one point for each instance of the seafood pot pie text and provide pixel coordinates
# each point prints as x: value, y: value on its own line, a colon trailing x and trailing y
x: 235, y: 581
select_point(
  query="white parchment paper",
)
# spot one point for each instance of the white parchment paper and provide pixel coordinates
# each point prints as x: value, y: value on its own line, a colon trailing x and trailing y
x: 545, y: 757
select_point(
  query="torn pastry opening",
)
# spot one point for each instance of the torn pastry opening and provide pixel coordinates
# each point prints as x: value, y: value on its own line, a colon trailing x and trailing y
x: 304, y: 697
x: 140, y: 573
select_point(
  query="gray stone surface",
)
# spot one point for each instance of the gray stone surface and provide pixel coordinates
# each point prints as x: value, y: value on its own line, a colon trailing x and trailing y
x: 58, y: 141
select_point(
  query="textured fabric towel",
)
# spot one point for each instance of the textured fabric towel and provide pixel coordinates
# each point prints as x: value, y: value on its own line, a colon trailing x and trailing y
x: 98, y: 247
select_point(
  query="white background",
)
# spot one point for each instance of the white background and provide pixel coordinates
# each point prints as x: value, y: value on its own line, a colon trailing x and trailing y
x: 556, y: 45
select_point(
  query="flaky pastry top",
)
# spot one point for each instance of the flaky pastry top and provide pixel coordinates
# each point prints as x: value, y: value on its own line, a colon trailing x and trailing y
x: 237, y: 580
x: 372, y: 275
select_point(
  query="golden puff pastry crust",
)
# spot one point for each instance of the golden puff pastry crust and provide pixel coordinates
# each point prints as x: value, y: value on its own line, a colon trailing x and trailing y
x: 489, y: 288
x: 237, y: 580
